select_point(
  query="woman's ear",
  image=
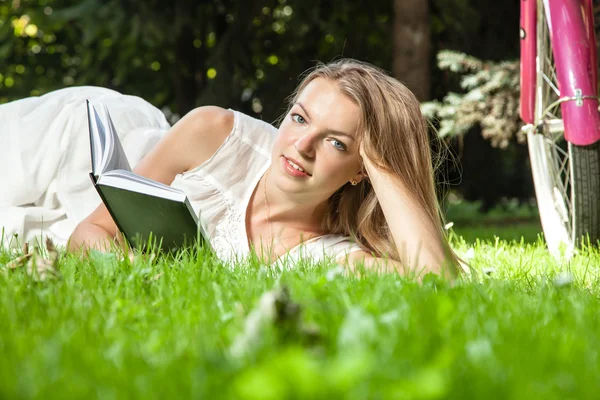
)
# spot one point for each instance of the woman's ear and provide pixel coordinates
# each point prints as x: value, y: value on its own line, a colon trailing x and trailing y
x: 362, y: 174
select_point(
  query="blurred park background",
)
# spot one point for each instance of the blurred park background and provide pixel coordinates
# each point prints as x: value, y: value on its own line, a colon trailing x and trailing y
x: 459, y: 56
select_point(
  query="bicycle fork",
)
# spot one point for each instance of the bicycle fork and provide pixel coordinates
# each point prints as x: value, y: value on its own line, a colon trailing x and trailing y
x: 573, y: 42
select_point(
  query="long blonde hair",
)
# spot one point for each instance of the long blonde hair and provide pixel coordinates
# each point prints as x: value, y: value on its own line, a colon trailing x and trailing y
x: 396, y: 138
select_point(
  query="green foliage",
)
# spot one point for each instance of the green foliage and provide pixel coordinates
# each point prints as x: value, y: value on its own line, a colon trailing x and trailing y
x: 180, y: 54
x: 162, y: 327
x: 490, y: 99
x: 243, y: 54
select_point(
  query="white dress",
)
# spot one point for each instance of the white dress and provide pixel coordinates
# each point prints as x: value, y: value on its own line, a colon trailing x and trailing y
x: 220, y: 190
x: 45, y: 188
x: 45, y: 163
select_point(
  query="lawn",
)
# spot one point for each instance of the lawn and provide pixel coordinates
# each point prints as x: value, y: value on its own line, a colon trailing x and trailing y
x: 523, y: 326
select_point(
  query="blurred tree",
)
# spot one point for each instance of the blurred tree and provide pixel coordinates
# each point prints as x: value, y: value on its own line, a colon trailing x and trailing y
x: 412, y: 47
x: 234, y: 53
x: 248, y: 54
x: 490, y: 99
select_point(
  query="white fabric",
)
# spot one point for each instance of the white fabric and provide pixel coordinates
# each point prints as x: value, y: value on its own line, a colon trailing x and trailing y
x: 45, y: 158
x: 45, y: 163
x: 220, y: 189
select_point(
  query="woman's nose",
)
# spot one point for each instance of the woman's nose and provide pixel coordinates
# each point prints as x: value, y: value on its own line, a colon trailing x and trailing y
x: 305, y: 145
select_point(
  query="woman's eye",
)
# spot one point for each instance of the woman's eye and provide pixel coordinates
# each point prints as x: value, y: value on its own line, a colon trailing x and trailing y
x: 338, y: 145
x: 298, y: 118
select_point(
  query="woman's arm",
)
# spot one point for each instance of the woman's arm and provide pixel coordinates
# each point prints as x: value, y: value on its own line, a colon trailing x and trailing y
x: 190, y: 142
x: 421, y: 247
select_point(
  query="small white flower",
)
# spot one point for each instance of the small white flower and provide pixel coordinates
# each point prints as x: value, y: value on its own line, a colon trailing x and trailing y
x: 565, y: 278
x: 449, y: 225
x: 469, y: 254
x: 389, y: 317
x: 264, y: 312
x: 334, y: 272
x: 358, y: 330
x: 479, y: 350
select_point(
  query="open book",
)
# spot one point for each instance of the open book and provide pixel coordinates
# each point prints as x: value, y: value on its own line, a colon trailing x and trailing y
x: 145, y: 211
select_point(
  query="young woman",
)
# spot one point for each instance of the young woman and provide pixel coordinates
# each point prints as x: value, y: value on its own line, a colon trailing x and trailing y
x: 347, y: 175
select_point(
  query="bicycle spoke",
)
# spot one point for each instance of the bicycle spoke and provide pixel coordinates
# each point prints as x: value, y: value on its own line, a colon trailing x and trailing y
x: 550, y: 61
x: 557, y: 136
x: 551, y: 115
x: 558, y: 149
x: 549, y: 82
x: 560, y: 171
x: 563, y: 165
x: 559, y: 166
x: 560, y: 159
x: 554, y: 79
x: 555, y: 178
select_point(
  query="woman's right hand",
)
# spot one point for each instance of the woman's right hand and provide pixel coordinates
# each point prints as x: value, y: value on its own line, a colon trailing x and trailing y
x: 90, y: 235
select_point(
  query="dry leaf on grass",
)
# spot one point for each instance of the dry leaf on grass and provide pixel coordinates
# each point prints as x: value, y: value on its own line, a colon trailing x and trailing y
x: 36, y: 265
x: 20, y: 261
x: 275, y: 308
x: 157, y: 276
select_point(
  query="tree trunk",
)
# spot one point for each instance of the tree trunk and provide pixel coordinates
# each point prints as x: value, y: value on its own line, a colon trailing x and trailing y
x: 412, y: 45
x: 185, y: 85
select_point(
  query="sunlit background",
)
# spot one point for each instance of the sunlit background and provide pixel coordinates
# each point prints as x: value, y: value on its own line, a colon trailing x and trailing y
x: 459, y: 56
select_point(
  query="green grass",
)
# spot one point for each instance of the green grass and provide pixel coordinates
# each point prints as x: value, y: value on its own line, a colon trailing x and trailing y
x: 525, y: 327
x: 509, y: 221
x: 527, y: 232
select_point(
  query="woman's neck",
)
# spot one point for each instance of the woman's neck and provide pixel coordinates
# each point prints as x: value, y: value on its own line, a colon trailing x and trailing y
x: 287, y: 214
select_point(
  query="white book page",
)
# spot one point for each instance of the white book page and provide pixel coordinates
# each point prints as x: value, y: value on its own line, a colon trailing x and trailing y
x: 107, y: 152
x: 129, y: 181
x: 97, y: 139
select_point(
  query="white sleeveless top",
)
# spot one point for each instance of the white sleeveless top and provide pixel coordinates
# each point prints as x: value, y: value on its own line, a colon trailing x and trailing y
x: 220, y: 190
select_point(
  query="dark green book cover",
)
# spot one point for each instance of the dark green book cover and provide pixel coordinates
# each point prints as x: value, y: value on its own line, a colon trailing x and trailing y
x: 145, y: 211
x: 143, y: 217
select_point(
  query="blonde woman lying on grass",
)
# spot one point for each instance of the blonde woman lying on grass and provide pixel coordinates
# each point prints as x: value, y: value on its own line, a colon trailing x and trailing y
x: 347, y: 175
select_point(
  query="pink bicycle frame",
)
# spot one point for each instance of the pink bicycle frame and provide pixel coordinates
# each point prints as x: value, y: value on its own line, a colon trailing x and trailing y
x: 574, y: 48
x: 528, y: 54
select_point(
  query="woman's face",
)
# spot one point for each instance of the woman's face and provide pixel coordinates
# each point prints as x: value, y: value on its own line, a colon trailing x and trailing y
x: 319, y: 136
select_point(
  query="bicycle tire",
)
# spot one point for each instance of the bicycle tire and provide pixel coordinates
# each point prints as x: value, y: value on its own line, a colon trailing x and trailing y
x: 566, y: 176
x: 585, y: 167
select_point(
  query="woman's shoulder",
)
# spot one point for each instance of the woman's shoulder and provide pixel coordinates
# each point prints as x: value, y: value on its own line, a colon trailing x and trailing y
x: 253, y: 130
x: 228, y: 143
x: 212, y: 126
x: 214, y: 116
x: 208, y: 124
x: 221, y: 120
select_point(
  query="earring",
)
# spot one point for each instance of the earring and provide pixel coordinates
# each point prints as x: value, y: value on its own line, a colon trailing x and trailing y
x: 353, y: 182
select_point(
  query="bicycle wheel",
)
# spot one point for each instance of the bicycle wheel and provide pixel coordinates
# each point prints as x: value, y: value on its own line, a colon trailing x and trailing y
x: 566, y: 176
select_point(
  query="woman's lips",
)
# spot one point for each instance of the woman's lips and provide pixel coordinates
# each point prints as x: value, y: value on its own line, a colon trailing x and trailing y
x: 291, y: 170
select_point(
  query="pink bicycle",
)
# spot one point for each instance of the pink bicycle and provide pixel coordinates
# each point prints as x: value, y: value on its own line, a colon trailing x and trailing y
x: 559, y: 104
